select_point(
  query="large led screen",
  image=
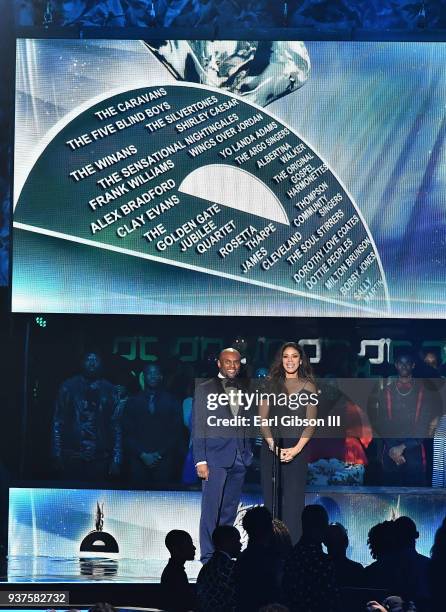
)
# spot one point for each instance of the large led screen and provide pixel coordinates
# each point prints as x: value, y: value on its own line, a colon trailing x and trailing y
x: 230, y: 178
x: 48, y: 528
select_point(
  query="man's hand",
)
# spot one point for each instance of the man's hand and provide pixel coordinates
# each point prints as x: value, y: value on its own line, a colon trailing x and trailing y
x: 374, y: 606
x: 150, y: 459
x: 396, y: 454
x: 203, y: 471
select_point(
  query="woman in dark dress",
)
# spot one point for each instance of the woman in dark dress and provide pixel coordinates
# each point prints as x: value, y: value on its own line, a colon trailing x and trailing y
x: 292, y: 394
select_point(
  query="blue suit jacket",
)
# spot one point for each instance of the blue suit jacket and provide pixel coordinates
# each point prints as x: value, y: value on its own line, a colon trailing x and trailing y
x: 217, y: 446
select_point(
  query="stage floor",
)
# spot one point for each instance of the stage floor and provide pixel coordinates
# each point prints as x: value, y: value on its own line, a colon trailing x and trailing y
x: 46, y: 527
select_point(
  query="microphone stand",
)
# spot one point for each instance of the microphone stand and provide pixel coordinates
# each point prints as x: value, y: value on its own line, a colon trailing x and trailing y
x: 275, y: 480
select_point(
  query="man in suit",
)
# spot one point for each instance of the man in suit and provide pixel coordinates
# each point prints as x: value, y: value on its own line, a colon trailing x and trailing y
x: 221, y: 454
x: 153, y: 432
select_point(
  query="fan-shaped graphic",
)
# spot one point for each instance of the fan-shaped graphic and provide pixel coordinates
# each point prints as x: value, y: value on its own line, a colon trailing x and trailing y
x: 236, y: 188
x: 216, y: 186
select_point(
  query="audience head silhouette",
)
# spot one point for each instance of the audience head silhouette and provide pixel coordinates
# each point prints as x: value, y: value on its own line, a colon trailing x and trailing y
x: 438, y: 552
x: 281, y: 539
x: 258, y: 524
x: 381, y: 539
x: 227, y: 539
x: 314, y: 522
x: 180, y: 545
x: 406, y: 533
x: 336, y: 540
x: 438, y: 563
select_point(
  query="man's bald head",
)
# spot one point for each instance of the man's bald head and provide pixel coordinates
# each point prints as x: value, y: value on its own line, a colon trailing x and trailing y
x: 229, y: 362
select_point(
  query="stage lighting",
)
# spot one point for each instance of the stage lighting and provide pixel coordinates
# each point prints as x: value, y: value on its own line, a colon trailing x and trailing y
x: 41, y: 322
